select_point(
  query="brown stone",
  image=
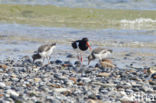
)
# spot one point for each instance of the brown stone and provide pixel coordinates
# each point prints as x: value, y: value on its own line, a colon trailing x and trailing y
x: 80, y: 83
x: 73, y: 79
x: 154, y: 76
x: 152, y: 70
x: 1, y: 95
x: 36, y: 79
x: 129, y: 102
x: 152, y: 82
x: 3, y: 66
x: 94, y: 101
x: 103, y: 74
x: 55, y: 86
x: 66, y: 93
x: 28, y: 85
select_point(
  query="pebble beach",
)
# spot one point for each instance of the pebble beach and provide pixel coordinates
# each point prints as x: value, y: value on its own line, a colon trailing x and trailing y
x: 66, y: 82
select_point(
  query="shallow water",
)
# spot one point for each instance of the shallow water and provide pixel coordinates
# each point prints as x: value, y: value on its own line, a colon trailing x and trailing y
x: 19, y: 40
x: 102, y: 4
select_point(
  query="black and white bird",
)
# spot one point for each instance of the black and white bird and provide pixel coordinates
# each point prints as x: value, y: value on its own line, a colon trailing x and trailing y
x: 44, y: 52
x: 99, y: 53
x: 81, y: 46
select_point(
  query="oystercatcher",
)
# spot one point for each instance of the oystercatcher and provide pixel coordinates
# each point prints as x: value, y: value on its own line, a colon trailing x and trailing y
x: 99, y: 53
x: 44, y: 51
x: 81, y: 45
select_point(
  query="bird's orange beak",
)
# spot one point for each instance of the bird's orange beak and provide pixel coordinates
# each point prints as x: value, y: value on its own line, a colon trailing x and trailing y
x: 89, y: 46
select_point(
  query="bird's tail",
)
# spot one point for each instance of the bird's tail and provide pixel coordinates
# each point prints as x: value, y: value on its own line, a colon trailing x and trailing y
x: 110, y: 50
x: 53, y: 44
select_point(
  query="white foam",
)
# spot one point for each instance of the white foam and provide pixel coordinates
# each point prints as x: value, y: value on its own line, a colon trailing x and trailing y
x: 138, y: 21
x: 138, y: 24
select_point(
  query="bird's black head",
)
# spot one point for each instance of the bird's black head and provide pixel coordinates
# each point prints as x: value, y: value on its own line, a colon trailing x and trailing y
x: 85, y: 39
x: 36, y: 56
x: 90, y: 58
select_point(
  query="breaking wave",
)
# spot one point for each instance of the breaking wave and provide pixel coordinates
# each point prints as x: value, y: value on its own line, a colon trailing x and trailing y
x: 138, y: 21
x: 138, y: 24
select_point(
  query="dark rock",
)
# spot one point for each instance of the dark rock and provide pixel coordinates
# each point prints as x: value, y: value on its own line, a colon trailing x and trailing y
x: 152, y: 82
x: 52, y: 62
x: 103, y: 90
x: 154, y: 76
x: 128, y: 54
x: 38, y: 63
x: 92, y: 96
x: 67, y: 62
x: 56, y: 76
x: 154, y: 88
x: 74, y: 68
x: 27, y: 59
x: 70, y: 56
x: 58, y: 62
x: 97, y: 65
x: 99, y: 97
x: 55, y: 101
x: 77, y: 63
x: 135, y: 89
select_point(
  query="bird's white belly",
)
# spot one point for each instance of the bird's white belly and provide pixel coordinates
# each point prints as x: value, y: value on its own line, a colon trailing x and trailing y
x: 47, y: 53
x: 102, y: 56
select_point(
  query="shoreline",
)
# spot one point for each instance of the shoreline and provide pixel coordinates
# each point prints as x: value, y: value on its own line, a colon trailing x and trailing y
x: 87, y: 18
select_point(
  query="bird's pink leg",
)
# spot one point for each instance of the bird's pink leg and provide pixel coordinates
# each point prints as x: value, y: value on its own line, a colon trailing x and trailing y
x: 81, y: 58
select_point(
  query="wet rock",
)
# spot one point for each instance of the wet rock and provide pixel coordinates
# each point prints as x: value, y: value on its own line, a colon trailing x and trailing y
x: 154, y: 88
x: 126, y: 99
x: 129, y: 91
x: 153, y: 76
x: 2, y: 85
x: 94, y: 101
x: 128, y: 54
x: 67, y: 64
x: 52, y: 62
x: 38, y: 63
x: 15, y: 79
x: 77, y: 63
x: 57, y: 76
x: 27, y: 60
x: 58, y: 62
x: 85, y: 79
x: 147, y: 89
x: 103, y: 90
x: 61, y: 90
x: 52, y: 100
x: 97, y: 65
x: 70, y: 56
x: 92, y: 96
x: 12, y: 93
x: 152, y: 82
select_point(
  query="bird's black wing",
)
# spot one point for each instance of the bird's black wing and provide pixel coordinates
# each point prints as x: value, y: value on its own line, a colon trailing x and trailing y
x: 74, y: 44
